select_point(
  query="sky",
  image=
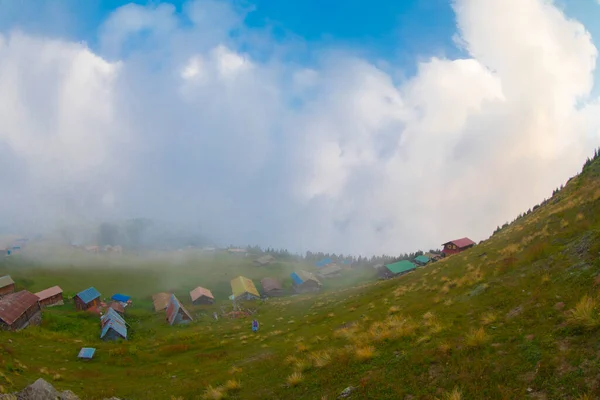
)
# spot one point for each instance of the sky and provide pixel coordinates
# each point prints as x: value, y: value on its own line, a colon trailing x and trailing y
x: 355, y: 127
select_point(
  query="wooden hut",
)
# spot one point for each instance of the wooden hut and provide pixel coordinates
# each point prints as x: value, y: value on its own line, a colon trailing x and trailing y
x: 330, y: 271
x: 176, y: 313
x: 457, y: 246
x: 50, y: 297
x: 265, y: 260
x: 396, y: 269
x: 243, y: 289
x: 113, y: 326
x: 272, y: 287
x: 7, y: 285
x: 305, y: 282
x: 19, y: 310
x: 88, y: 298
x: 421, y: 260
x: 202, y: 295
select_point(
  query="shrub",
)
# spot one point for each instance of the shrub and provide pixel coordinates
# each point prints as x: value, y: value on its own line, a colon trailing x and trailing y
x: 302, y: 365
x: 455, y: 394
x: 585, y: 314
x: 488, y: 318
x: 545, y: 279
x: 233, y: 385
x: 476, y: 338
x: 295, y: 379
x: 320, y: 358
x: 364, y: 353
x: 214, y: 393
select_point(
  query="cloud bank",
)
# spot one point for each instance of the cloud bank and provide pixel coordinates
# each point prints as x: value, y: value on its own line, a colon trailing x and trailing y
x: 196, y: 119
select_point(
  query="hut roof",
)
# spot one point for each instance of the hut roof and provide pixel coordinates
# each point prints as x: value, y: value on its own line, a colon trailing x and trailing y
x: 14, y: 305
x: 267, y: 259
x: 50, y: 292
x: 117, y: 306
x: 110, y: 315
x: 302, y: 276
x: 161, y: 301
x: 199, y: 292
x: 86, y: 352
x: 269, y: 284
x: 401, y: 266
x: 324, y: 262
x: 241, y: 285
x: 461, y: 243
x: 330, y: 269
x: 173, y: 309
x: 422, y: 259
x: 5, y: 281
x: 120, y: 297
x: 117, y: 326
x: 88, y: 294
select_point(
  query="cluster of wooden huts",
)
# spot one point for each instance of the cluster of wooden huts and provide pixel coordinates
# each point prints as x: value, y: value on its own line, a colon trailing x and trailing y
x: 405, y: 266
x: 175, y: 312
x: 20, y: 309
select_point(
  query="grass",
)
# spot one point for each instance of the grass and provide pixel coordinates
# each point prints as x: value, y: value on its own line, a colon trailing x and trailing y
x: 425, y: 334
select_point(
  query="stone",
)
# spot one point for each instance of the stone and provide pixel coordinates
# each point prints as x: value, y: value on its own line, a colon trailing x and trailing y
x: 346, y: 392
x: 514, y: 312
x: 39, y: 390
x: 478, y: 290
x: 68, y: 395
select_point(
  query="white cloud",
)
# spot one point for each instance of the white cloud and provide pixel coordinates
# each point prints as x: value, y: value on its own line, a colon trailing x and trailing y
x: 190, y: 128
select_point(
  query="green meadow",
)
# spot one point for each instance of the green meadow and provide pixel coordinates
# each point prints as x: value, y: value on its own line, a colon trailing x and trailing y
x: 515, y: 317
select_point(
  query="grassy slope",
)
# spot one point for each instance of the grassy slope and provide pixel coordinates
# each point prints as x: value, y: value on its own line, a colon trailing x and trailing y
x: 487, y: 322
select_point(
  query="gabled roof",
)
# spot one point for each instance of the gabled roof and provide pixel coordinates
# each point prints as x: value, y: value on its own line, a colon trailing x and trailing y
x: 117, y: 326
x: 422, y: 259
x: 161, y: 300
x: 461, y: 243
x: 199, y: 292
x: 111, y: 315
x: 173, y: 309
x: 112, y: 320
x: 269, y: 284
x: 50, y: 292
x: 241, y: 285
x: 86, y: 352
x: 330, y: 269
x: 88, y: 294
x: 299, y: 277
x: 14, y: 305
x: 5, y: 281
x: 120, y: 297
x: 401, y: 266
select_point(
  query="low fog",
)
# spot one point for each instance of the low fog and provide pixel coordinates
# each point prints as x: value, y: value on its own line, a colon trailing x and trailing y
x: 216, y: 133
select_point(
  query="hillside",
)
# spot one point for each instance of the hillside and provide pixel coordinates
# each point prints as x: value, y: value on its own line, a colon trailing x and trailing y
x: 515, y: 317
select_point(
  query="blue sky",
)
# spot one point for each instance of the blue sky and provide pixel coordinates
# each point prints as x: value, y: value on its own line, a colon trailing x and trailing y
x: 309, y: 125
x: 401, y: 32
